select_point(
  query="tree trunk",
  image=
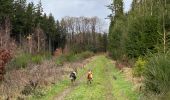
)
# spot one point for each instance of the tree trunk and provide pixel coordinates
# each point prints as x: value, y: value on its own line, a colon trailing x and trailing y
x: 49, y: 41
x: 38, y: 40
x: 164, y: 36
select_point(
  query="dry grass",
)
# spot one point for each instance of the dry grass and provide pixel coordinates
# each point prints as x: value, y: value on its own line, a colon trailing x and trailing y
x: 45, y: 74
x: 137, y: 81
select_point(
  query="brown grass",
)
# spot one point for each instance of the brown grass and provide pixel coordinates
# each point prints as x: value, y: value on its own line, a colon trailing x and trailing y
x: 137, y: 81
x: 45, y: 74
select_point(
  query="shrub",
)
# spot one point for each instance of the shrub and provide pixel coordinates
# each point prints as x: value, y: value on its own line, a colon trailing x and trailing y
x: 21, y: 61
x: 80, y: 56
x: 157, y: 74
x: 47, y: 55
x: 38, y: 93
x: 60, y: 60
x: 73, y: 57
x: 37, y: 59
x: 86, y: 54
x: 139, y: 67
x: 70, y: 57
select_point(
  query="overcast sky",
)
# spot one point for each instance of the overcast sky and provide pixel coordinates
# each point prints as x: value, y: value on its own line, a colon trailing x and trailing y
x: 76, y: 8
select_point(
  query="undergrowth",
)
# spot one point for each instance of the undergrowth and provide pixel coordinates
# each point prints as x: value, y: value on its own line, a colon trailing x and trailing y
x: 73, y: 57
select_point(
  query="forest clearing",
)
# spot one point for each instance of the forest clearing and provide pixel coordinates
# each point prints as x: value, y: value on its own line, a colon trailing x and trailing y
x: 108, y: 83
x: 85, y: 50
x: 104, y: 86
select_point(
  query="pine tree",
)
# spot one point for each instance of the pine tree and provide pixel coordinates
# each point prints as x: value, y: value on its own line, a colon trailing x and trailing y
x: 19, y: 19
x: 30, y: 18
x: 6, y: 10
x: 115, y: 32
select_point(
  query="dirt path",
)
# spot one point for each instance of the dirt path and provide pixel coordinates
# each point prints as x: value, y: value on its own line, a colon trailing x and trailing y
x: 103, y: 87
x: 62, y: 95
x: 108, y: 84
x: 68, y: 90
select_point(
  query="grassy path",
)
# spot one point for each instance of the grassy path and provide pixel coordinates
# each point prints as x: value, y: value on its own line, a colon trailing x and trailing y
x: 103, y: 87
x: 95, y: 91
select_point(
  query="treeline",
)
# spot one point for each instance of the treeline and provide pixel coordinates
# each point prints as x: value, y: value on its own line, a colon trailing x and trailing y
x: 84, y: 33
x: 143, y: 35
x: 29, y: 26
x: 34, y: 31
x: 145, y: 28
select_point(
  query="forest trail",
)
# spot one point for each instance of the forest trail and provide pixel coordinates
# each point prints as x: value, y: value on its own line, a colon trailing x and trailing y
x: 103, y: 87
x: 67, y: 91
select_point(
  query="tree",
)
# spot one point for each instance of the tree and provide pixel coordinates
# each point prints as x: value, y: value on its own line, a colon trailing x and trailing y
x: 19, y: 19
x: 30, y: 18
x: 118, y: 8
x: 63, y: 34
x: 6, y: 10
x: 51, y: 32
x: 143, y: 29
x: 116, y: 30
x: 38, y: 14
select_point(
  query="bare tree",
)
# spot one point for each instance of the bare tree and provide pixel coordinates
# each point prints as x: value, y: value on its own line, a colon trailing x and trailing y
x: 7, y: 46
x: 82, y: 31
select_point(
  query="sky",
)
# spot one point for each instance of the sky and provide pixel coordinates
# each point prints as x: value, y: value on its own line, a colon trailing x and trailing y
x: 76, y: 8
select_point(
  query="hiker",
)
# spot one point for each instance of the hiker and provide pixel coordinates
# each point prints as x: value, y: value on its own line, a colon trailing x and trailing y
x: 89, y: 76
x: 73, y: 76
